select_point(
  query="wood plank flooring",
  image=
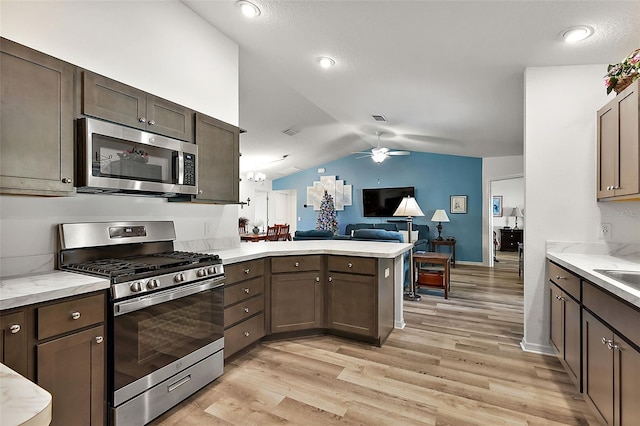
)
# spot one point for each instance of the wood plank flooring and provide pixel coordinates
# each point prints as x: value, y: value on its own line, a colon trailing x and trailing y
x: 457, y: 362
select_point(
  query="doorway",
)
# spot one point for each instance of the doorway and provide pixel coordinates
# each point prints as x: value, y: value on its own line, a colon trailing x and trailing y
x: 506, y: 195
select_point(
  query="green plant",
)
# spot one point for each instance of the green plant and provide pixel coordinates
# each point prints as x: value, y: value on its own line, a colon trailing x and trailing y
x: 621, y: 75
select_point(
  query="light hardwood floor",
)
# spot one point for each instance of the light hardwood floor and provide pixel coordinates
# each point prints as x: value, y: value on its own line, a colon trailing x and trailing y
x: 457, y: 362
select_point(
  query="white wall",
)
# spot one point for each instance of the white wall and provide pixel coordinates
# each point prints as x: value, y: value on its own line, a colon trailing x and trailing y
x: 560, y: 168
x: 495, y: 168
x: 161, y: 47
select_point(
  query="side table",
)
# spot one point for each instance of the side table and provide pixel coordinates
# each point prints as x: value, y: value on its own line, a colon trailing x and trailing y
x: 447, y: 243
x: 443, y: 259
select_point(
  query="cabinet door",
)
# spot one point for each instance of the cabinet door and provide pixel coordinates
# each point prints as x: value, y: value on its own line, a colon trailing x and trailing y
x: 169, y: 119
x: 628, y: 174
x: 572, y: 340
x: 36, y: 122
x: 607, y: 149
x: 627, y: 374
x: 296, y: 301
x: 598, y: 367
x: 113, y: 101
x: 352, y: 304
x: 218, y: 160
x: 13, y: 342
x: 72, y: 369
x: 556, y: 327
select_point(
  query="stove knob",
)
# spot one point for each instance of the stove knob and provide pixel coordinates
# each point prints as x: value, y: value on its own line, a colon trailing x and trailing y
x: 212, y: 270
x: 201, y: 273
x: 136, y: 286
x: 178, y: 278
x: 153, y: 283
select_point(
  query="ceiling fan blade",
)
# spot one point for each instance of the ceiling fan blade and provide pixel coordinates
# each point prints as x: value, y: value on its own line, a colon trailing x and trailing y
x: 361, y: 152
x: 363, y: 156
x: 399, y: 153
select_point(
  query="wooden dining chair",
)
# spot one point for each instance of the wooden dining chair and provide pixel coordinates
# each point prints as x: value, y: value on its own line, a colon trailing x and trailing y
x: 272, y: 233
x: 283, y: 232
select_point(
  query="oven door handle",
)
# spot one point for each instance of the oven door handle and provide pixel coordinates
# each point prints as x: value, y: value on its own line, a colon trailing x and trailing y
x: 127, y: 306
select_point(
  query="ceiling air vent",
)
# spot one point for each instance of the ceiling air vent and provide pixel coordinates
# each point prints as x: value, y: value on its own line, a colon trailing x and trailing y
x: 290, y: 132
x: 379, y: 117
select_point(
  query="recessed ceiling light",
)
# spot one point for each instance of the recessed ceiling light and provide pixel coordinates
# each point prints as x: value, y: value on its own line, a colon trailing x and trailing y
x: 248, y: 9
x: 326, y: 62
x: 575, y: 34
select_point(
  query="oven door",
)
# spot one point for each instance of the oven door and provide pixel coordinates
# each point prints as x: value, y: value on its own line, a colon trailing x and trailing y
x: 158, y: 335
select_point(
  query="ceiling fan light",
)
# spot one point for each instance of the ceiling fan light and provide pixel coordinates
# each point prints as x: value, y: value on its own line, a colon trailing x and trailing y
x: 378, y: 157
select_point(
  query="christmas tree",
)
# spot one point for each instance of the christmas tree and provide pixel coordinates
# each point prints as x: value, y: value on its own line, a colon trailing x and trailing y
x: 327, y: 219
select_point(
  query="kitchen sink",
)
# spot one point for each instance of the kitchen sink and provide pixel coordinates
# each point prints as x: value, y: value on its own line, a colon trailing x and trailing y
x: 630, y: 278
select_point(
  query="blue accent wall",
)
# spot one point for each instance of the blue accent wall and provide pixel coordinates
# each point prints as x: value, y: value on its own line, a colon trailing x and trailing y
x: 435, y: 177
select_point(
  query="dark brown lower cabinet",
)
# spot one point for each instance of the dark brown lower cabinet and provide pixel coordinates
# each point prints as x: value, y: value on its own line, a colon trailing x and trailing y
x: 352, y: 304
x: 72, y: 369
x: 565, y: 330
x: 14, y: 345
x: 611, y: 374
x: 297, y: 302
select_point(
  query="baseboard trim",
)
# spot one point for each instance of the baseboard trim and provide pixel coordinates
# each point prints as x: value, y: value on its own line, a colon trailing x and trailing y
x: 537, y: 349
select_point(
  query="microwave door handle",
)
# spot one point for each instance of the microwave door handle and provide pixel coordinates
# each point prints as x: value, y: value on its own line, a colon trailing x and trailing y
x: 180, y: 167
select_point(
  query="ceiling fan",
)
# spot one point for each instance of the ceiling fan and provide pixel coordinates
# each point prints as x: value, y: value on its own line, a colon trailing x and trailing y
x: 380, y: 153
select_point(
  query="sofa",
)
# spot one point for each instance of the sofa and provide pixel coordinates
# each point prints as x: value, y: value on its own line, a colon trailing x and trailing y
x: 422, y: 243
x: 312, y: 234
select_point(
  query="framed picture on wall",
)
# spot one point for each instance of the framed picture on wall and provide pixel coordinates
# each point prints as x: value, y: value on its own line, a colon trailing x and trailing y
x: 458, y: 204
x: 496, y: 205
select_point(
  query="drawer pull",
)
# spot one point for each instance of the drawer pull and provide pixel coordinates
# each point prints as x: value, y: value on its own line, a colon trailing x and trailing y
x: 317, y: 279
x: 99, y: 339
x: 350, y: 265
x: 15, y: 328
x: 330, y: 279
x: 612, y: 346
x: 557, y: 297
x: 246, y: 310
x: 75, y: 315
x: 246, y: 334
x: 558, y: 277
x: 247, y: 290
x: 296, y: 264
x: 246, y: 271
x: 604, y: 341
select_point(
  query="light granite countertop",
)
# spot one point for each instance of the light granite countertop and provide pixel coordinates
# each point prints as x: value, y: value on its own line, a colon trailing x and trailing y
x: 17, y: 291
x: 584, y: 264
x: 22, y: 402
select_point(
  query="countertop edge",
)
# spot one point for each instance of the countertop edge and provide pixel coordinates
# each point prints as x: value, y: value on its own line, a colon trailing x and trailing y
x: 617, y: 288
x: 23, y: 402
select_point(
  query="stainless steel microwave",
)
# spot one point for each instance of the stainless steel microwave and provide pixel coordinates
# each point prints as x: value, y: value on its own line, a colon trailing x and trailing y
x: 116, y: 159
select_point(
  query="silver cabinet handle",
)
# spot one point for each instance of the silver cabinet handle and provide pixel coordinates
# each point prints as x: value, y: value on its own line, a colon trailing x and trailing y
x: 557, y: 297
x: 317, y: 279
x: 15, y: 328
x: 558, y: 277
x: 246, y: 271
x: 246, y: 334
x: 296, y: 264
x: 200, y: 191
x: 350, y: 265
x: 142, y: 120
x: 604, y: 341
x: 67, y: 180
x: 99, y: 339
x: 330, y: 279
x: 246, y: 310
x: 75, y: 315
x: 612, y: 346
x: 151, y: 122
x: 246, y: 290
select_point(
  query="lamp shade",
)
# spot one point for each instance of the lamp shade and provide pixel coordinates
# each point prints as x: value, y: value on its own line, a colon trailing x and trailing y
x: 408, y: 207
x: 440, y: 216
x: 516, y: 212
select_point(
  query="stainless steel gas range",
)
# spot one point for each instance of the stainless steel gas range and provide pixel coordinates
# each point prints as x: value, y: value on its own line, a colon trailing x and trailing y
x: 166, y: 322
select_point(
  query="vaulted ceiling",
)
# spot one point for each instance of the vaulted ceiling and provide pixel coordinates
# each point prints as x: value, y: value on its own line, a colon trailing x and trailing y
x: 447, y: 75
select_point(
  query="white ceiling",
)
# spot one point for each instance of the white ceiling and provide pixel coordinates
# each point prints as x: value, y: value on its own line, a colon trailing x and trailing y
x: 447, y: 75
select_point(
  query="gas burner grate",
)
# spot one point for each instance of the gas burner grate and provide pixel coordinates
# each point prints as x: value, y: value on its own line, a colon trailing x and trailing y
x: 192, y: 257
x: 112, y: 267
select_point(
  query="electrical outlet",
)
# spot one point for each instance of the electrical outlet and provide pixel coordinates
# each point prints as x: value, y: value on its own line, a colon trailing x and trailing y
x: 605, y: 231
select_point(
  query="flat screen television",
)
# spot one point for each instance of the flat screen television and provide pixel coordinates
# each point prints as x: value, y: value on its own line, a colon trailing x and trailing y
x: 383, y: 202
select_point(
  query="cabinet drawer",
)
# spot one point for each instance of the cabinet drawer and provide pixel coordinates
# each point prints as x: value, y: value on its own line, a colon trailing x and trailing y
x: 242, y: 335
x: 295, y: 264
x: 68, y: 316
x: 352, y: 264
x: 243, y: 271
x: 243, y: 310
x: 564, y: 279
x: 618, y: 314
x: 244, y: 290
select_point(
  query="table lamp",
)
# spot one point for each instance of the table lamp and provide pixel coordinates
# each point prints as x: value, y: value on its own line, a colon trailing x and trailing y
x: 409, y: 207
x: 516, y: 212
x: 440, y: 216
